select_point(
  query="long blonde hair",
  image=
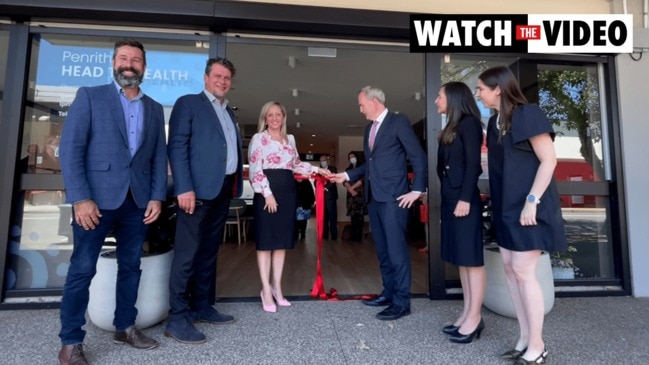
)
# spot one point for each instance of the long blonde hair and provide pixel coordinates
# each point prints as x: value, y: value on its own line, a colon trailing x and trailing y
x: 262, y: 126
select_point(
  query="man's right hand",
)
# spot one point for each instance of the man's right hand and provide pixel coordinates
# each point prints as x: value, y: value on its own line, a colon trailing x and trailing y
x: 187, y: 202
x: 86, y: 214
x: 338, y: 178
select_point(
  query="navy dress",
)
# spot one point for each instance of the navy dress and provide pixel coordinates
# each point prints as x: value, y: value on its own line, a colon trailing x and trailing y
x: 512, y: 168
x: 458, y: 169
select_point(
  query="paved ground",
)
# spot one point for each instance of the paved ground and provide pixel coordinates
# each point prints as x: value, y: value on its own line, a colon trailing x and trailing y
x: 610, y: 330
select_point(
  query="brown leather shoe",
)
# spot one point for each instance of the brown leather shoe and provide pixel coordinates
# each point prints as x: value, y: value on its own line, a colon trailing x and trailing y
x: 134, y: 337
x: 72, y: 355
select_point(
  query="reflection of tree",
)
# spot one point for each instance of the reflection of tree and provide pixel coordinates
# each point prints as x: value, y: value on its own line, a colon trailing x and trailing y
x: 462, y: 72
x: 570, y: 99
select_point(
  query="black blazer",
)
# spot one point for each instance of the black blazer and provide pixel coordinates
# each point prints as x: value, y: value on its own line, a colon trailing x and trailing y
x: 460, y: 161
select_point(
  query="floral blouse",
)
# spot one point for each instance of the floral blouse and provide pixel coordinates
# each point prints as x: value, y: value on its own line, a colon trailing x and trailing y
x: 266, y: 153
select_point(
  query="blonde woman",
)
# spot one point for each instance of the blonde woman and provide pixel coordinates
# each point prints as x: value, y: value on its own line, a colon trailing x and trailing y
x: 273, y: 160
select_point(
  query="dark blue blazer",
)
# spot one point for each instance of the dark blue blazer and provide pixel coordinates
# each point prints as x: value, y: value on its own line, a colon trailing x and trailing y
x: 197, y: 148
x: 460, y: 161
x: 95, y: 159
x: 385, y: 171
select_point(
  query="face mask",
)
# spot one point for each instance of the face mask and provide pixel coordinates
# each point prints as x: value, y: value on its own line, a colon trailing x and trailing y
x: 324, y: 164
x: 352, y: 161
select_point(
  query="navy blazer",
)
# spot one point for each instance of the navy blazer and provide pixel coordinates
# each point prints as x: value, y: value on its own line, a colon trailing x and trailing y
x: 197, y: 148
x: 461, y: 160
x: 385, y: 171
x: 96, y: 162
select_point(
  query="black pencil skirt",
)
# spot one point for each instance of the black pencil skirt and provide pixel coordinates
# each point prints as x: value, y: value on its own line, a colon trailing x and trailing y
x: 275, y: 231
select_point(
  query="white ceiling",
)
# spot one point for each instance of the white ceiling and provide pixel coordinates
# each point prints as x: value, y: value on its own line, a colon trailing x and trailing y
x: 327, y: 87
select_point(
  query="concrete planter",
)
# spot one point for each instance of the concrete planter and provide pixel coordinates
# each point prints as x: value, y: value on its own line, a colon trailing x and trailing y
x: 497, y: 297
x: 152, y: 297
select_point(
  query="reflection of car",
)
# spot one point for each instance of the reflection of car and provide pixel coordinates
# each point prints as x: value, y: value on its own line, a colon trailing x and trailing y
x: 247, y: 194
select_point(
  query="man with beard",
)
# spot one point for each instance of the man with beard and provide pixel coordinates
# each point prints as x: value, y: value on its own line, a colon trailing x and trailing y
x: 114, y: 168
x: 207, y: 168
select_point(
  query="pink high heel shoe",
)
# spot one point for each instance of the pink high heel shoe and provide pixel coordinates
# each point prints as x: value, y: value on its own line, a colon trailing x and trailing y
x: 282, y: 302
x: 268, y: 308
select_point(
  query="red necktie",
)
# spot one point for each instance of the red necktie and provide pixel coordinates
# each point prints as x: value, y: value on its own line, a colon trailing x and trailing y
x: 375, y: 126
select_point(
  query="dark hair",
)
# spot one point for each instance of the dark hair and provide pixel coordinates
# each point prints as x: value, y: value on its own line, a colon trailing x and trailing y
x: 459, y: 102
x: 359, y: 159
x: 511, y: 95
x: 221, y: 61
x: 130, y: 43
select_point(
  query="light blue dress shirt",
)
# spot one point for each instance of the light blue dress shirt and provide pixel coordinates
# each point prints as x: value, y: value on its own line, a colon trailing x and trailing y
x: 228, y: 126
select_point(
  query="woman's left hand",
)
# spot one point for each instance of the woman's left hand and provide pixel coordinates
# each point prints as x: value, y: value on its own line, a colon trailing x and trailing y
x: 528, y: 215
x: 271, y: 204
x: 462, y: 209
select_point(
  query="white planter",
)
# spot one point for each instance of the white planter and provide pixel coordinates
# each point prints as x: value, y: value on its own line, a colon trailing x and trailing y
x: 497, y: 297
x: 152, y: 296
x: 563, y: 273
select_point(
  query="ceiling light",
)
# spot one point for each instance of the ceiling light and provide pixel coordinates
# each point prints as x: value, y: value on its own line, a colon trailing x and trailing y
x: 297, y: 111
x: 417, y: 96
x: 291, y: 61
x: 310, y: 144
x: 297, y: 124
x: 447, y: 58
x: 322, y: 52
x: 295, y: 93
x: 313, y: 135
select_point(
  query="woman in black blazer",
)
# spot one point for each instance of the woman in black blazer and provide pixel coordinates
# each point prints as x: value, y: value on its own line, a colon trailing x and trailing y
x: 458, y: 168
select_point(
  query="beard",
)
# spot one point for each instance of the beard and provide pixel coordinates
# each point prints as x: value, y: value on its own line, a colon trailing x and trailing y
x: 128, y: 81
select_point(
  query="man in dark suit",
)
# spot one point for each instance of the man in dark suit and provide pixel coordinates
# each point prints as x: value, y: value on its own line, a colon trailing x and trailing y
x: 389, y: 143
x: 207, y: 168
x: 331, y: 201
x: 114, y: 168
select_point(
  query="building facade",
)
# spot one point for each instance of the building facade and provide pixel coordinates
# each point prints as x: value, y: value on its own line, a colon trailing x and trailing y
x: 595, y: 101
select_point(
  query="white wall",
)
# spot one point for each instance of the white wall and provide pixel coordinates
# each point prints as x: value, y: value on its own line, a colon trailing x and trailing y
x: 465, y: 6
x: 633, y: 78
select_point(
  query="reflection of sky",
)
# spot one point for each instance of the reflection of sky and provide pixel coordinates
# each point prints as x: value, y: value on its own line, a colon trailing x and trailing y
x: 169, y: 75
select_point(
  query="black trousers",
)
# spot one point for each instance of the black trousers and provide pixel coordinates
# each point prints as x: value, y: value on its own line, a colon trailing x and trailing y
x: 193, y: 269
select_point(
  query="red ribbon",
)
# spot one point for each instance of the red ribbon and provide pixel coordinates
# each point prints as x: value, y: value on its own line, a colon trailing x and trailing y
x: 318, y: 290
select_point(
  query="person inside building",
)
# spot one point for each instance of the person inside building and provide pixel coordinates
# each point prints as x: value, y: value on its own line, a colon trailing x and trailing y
x: 356, y: 208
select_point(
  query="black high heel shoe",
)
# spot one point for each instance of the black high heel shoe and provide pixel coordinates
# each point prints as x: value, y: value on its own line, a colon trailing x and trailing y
x: 460, y: 338
x: 539, y: 360
x: 513, y: 354
x: 451, y: 330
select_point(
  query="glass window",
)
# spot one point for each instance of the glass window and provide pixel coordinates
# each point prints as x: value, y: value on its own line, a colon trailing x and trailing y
x: 588, y: 228
x: 570, y: 94
x: 40, y: 249
x: 61, y: 64
x: 570, y: 97
x: 4, y: 45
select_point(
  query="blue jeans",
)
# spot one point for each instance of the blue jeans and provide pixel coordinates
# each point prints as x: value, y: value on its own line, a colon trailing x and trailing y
x: 126, y: 222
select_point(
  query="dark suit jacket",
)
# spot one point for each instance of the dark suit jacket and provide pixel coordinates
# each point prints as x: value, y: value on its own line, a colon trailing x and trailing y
x: 331, y: 192
x: 385, y: 171
x: 197, y: 148
x: 95, y: 159
x: 460, y: 161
